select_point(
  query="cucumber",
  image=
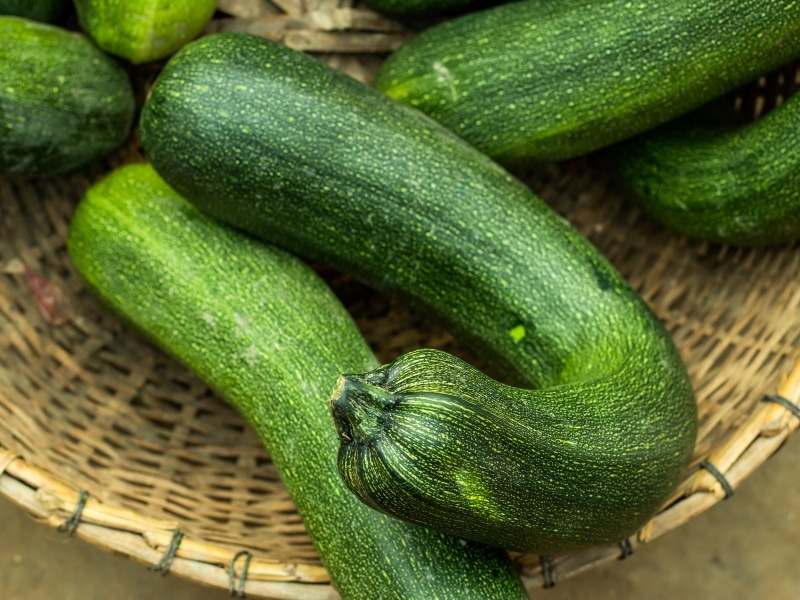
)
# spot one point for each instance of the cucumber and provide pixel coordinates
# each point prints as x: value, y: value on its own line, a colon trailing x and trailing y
x: 48, y: 11
x: 264, y: 331
x: 275, y: 142
x: 537, y: 81
x: 143, y: 30
x: 63, y: 102
x: 736, y: 184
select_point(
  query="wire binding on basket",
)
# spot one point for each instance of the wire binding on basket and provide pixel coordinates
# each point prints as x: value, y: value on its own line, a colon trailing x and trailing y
x: 726, y: 486
x: 785, y: 402
x: 233, y: 590
x: 72, y: 522
x: 165, y: 562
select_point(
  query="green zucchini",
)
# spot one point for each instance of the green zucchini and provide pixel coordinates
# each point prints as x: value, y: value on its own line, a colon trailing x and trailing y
x: 536, y: 81
x: 263, y: 330
x: 48, y: 11
x: 63, y: 102
x: 275, y: 142
x: 411, y: 8
x: 431, y: 440
x: 730, y: 183
x: 143, y: 30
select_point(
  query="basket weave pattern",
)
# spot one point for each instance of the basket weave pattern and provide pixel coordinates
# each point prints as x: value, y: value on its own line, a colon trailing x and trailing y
x: 87, y: 405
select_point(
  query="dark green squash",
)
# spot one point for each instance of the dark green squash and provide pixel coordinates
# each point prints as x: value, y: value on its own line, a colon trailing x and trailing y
x: 726, y: 182
x: 543, y: 80
x: 431, y: 440
x: 278, y: 144
x: 63, y: 102
x: 415, y: 8
x: 47, y: 11
x: 263, y: 330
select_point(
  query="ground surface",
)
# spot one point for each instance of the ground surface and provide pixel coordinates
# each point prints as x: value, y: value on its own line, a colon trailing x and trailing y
x: 743, y: 548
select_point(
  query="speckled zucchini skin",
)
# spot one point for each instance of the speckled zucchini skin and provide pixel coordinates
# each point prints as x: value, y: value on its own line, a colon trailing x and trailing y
x: 536, y: 81
x: 63, y: 103
x: 264, y: 330
x: 273, y: 141
x: 48, y: 11
x: 737, y: 184
x: 143, y: 30
x: 431, y: 440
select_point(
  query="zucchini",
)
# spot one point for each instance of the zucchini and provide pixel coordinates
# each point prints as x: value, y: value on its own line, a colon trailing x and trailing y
x: 273, y: 141
x: 264, y: 331
x: 731, y: 183
x: 412, y: 8
x: 537, y: 81
x: 48, y: 11
x: 63, y: 102
x: 143, y: 30
x: 431, y: 440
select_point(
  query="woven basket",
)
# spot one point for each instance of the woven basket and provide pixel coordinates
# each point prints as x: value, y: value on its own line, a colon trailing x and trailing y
x: 107, y: 438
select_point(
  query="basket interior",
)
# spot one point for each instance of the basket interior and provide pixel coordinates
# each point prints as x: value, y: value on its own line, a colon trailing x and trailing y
x: 92, y: 403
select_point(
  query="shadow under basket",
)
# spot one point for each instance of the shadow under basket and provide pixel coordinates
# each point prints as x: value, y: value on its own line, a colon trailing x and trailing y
x: 106, y: 437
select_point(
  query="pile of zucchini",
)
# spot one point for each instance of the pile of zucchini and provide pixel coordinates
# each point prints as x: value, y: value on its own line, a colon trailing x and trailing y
x: 414, y: 478
x: 66, y: 96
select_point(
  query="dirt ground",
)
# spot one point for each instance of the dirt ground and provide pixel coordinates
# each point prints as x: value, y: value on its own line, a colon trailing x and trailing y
x: 743, y: 548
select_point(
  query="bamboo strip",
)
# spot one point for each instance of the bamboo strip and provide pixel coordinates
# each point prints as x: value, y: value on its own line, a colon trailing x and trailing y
x: 54, y: 501
x: 765, y: 418
x: 290, y: 7
x: 345, y: 43
x: 247, y: 9
x: 258, y: 569
x: 59, y: 501
x: 342, y: 19
x: 315, y: 33
x: 134, y: 547
x: 6, y: 458
x: 53, y: 504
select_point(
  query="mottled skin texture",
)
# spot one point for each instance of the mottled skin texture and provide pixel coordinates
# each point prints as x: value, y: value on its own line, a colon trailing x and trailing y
x: 736, y: 184
x: 274, y: 142
x: 143, y: 30
x: 262, y: 329
x: 63, y: 103
x: 536, y: 81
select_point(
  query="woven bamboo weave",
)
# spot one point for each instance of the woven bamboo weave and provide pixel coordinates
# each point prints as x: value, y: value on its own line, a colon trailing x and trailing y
x: 109, y: 439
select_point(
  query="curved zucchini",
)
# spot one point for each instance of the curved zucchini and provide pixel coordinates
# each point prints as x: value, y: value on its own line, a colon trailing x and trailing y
x: 431, y: 440
x: 536, y: 81
x: 143, y: 30
x: 264, y: 331
x: 275, y: 142
x: 63, y: 103
x: 735, y: 184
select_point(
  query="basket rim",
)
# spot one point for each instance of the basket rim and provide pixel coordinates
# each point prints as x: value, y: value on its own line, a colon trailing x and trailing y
x: 159, y: 544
